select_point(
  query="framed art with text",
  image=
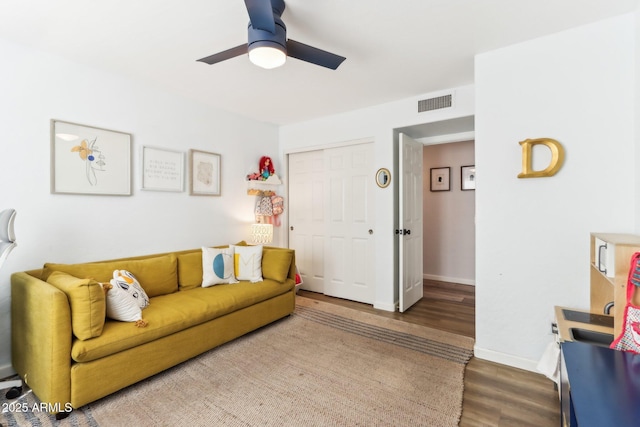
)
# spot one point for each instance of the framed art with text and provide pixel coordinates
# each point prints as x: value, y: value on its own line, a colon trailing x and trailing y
x: 162, y: 169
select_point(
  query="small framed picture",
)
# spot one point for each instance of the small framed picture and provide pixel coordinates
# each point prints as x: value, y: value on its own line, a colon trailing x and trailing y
x: 440, y: 179
x: 383, y: 177
x: 204, y: 174
x: 162, y: 170
x: 468, y: 177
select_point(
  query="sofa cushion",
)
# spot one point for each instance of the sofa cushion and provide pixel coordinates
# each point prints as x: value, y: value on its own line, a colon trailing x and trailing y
x: 190, y: 267
x: 276, y: 263
x: 122, y: 306
x: 248, y: 262
x: 217, y: 266
x: 87, y: 302
x: 126, y: 281
x: 190, y: 270
x: 157, y: 275
x: 168, y: 314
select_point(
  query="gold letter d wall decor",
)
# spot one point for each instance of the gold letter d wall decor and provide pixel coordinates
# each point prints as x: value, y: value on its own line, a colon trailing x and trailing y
x: 557, y: 157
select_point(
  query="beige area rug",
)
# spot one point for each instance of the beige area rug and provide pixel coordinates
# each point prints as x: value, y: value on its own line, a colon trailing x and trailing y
x: 323, y: 366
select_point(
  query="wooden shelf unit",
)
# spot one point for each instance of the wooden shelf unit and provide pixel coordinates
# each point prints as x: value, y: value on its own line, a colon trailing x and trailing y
x: 604, y: 288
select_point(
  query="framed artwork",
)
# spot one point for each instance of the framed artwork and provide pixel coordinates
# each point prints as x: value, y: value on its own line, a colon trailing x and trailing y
x: 89, y: 160
x: 468, y: 177
x: 440, y: 179
x: 162, y: 170
x: 204, y: 175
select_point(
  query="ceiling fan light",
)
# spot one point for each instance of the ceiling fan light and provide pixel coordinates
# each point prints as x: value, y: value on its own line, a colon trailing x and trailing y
x: 267, y: 56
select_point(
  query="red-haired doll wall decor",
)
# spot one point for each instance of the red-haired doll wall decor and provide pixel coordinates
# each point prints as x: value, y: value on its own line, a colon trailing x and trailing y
x: 266, y: 167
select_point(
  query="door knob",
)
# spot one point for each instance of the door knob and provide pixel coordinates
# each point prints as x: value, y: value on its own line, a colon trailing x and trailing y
x: 370, y: 231
x: 291, y: 228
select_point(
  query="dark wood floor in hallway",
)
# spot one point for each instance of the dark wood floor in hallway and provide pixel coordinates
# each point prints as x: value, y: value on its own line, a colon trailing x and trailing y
x: 495, y: 395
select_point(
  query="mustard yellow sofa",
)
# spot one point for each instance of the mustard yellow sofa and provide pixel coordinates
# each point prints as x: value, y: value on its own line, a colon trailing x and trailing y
x: 183, y: 321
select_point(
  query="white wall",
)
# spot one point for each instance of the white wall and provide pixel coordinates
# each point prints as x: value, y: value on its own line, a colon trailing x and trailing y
x: 533, y: 234
x: 376, y: 124
x: 37, y: 87
x: 637, y: 116
x: 449, y: 235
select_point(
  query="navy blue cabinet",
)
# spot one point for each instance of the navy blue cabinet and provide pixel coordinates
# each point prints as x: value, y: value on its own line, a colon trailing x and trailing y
x: 599, y: 387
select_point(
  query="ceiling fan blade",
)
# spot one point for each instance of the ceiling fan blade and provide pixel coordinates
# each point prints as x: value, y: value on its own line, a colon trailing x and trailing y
x: 261, y: 15
x: 314, y: 55
x: 224, y: 55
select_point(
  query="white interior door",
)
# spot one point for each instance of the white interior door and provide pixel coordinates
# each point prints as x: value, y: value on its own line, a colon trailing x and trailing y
x: 350, y: 213
x: 410, y: 222
x: 307, y: 216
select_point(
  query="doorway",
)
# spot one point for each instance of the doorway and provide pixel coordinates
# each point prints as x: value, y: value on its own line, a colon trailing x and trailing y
x: 449, y: 252
x: 449, y: 215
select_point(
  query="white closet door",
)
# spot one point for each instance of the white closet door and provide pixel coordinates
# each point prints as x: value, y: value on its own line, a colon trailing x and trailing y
x: 331, y: 217
x: 307, y: 216
x: 349, y: 242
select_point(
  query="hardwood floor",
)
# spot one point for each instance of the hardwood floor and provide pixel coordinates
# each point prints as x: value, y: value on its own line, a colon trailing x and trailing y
x: 494, y: 394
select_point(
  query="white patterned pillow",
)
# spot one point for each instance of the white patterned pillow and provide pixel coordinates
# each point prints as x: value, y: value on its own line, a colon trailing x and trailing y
x: 248, y: 262
x: 128, y: 283
x: 217, y: 266
x: 121, y: 305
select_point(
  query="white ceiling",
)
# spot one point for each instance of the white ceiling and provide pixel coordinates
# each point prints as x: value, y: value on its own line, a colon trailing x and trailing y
x: 394, y: 49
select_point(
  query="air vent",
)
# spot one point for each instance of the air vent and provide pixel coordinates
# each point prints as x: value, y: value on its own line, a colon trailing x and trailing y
x: 434, y: 103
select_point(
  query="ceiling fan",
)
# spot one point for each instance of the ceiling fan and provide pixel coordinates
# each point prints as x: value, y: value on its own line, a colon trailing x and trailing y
x: 268, y: 46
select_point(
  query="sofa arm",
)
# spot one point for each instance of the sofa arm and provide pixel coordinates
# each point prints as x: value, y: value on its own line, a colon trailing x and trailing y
x: 292, y: 268
x: 41, y: 338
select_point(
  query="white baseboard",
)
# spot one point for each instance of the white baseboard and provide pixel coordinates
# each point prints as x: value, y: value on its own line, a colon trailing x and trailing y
x: 506, y: 359
x: 471, y: 282
x: 6, y: 371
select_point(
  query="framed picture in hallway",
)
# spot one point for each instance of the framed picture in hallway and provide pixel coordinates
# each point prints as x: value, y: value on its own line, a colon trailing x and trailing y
x: 468, y: 177
x: 440, y: 179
